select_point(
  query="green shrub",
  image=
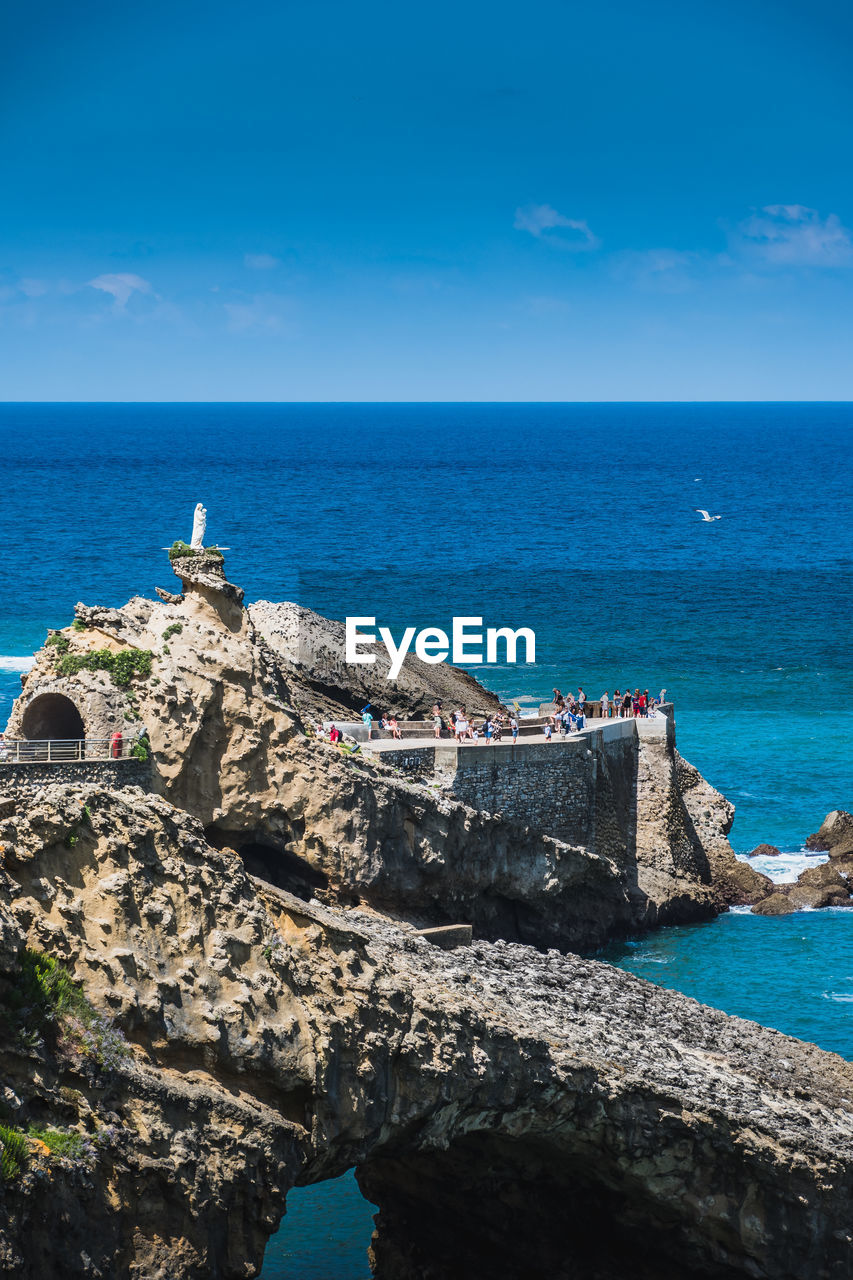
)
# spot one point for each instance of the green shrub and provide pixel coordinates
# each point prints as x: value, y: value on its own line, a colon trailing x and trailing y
x: 78, y: 625
x: 13, y: 1153
x: 122, y: 666
x: 139, y: 750
x: 173, y: 629
x: 46, y: 987
x: 57, y: 641
x: 60, y: 1142
x: 47, y: 1002
x: 180, y: 549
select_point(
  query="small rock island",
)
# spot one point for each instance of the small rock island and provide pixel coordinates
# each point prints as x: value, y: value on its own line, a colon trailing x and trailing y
x: 218, y: 980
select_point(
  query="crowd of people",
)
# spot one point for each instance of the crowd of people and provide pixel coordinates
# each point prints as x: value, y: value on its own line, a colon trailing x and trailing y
x: 621, y: 705
x: 490, y: 729
x: 569, y: 715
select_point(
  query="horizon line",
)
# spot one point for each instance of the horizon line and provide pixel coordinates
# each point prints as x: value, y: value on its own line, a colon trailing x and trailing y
x: 7, y: 403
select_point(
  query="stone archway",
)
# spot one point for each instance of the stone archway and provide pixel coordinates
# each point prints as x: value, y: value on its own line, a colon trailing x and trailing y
x: 52, y: 715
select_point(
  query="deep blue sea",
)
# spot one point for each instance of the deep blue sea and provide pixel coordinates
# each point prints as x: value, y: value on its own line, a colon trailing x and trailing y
x: 575, y: 520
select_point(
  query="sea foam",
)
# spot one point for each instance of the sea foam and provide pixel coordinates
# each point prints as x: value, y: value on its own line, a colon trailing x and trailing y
x: 784, y: 868
x: 15, y: 664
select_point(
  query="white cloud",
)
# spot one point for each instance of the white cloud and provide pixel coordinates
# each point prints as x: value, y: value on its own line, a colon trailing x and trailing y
x: 122, y: 285
x: 261, y: 261
x: 545, y: 223
x: 794, y: 235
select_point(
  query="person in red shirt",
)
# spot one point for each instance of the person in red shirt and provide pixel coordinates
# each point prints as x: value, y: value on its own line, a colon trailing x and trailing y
x: 334, y: 734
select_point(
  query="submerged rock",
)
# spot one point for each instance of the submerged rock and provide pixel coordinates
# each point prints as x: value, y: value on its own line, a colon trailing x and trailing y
x: 765, y: 851
x: 745, y: 885
x: 816, y: 887
x: 802, y: 896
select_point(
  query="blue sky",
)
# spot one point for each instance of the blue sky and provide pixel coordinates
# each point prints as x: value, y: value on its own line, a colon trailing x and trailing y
x: 330, y: 201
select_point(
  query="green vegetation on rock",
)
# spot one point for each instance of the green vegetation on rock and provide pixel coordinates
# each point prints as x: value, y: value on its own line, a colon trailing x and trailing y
x: 180, y: 550
x: 60, y: 1142
x: 57, y: 641
x: 46, y: 1004
x: 13, y: 1153
x: 122, y: 666
x: 173, y: 629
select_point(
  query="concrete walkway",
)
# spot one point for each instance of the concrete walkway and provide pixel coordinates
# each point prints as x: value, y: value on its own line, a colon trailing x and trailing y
x: 652, y: 727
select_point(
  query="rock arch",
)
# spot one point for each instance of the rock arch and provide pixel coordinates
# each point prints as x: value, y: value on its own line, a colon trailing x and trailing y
x: 52, y: 715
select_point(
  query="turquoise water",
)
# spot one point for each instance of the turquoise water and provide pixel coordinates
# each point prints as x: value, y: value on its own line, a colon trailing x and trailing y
x: 575, y: 520
x: 324, y: 1236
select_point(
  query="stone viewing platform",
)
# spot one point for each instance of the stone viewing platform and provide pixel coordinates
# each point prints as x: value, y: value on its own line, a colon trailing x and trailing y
x: 570, y: 786
x: 418, y: 734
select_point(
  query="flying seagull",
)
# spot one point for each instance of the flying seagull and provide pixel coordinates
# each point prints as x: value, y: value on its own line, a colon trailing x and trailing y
x: 705, y: 516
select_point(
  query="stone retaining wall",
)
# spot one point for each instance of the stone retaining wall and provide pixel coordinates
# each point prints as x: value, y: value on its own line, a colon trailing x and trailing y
x: 562, y: 787
x: 581, y: 789
x: 18, y: 779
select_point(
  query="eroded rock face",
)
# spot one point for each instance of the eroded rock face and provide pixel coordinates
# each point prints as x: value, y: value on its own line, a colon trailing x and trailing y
x: 277, y: 1041
x: 712, y: 815
x: 230, y: 746
x: 312, y: 649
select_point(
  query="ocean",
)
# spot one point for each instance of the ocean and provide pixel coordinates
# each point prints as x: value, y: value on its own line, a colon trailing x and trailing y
x: 577, y: 521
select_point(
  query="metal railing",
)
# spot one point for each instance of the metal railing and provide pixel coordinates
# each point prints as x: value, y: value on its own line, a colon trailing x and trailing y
x: 63, y: 750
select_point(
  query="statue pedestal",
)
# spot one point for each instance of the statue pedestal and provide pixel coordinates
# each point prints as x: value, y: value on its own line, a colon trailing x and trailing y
x: 202, y: 570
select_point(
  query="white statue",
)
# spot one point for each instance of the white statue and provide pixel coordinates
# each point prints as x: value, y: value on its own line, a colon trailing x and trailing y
x: 199, y: 526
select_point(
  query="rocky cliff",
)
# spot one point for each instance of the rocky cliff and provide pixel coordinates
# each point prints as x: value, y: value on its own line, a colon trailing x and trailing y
x: 226, y: 709
x: 312, y: 649
x: 512, y: 1112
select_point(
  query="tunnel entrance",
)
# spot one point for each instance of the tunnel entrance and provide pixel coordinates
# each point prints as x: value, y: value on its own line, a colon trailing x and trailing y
x: 282, y: 869
x: 496, y: 1206
x: 52, y: 715
x: 270, y: 862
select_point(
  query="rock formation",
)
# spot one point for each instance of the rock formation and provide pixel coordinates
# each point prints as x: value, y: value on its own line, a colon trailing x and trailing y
x: 835, y: 835
x: 312, y: 650
x: 226, y: 712
x: 512, y: 1112
x: 735, y: 882
x: 826, y: 885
